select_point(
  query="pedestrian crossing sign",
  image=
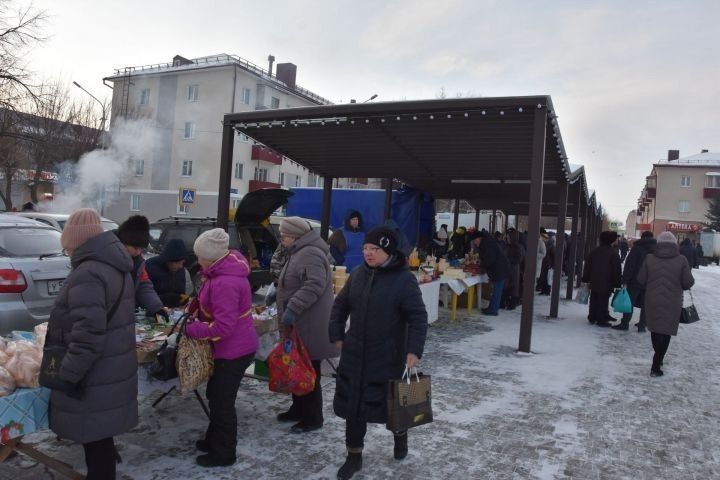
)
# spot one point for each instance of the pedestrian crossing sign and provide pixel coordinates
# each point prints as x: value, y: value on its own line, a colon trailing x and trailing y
x: 187, y: 196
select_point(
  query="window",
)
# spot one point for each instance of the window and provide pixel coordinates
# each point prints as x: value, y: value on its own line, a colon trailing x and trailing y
x: 282, y: 179
x: 182, y: 209
x: 186, y: 168
x: 274, y: 102
x: 236, y: 204
x: 139, y: 168
x: 192, y: 93
x: 298, y: 181
x: 685, y: 181
x: 683, y: 206
x: 238, y: 170
x: 145, y: 96
x: 189, y: 130
x: 134, y: 202
x: 261, y: 174
x: 246, y: 96
x: 713, y: 181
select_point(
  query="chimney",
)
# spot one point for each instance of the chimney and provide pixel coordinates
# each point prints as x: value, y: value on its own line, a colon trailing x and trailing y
x: 673, y: 155
x: 179, y: 60
x: 286, y: 73
x: 704, y: 150
x: 271, y: 60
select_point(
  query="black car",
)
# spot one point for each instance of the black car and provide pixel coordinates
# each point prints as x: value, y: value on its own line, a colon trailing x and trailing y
x: 251, y: 232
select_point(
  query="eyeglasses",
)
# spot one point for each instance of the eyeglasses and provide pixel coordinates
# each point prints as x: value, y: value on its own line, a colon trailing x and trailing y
x: 371, y: 249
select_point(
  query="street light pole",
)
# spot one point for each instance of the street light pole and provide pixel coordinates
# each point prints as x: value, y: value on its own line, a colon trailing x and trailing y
x: 102, y: 138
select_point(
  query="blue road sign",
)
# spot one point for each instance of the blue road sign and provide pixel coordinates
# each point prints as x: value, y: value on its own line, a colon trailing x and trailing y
x: 187, y: 196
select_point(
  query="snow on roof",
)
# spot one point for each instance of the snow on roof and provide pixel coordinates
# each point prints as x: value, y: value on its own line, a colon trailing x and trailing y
x: 710, y: 159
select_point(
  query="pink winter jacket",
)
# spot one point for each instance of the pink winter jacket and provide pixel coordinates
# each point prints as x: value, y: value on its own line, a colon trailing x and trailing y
x: 224, y: 308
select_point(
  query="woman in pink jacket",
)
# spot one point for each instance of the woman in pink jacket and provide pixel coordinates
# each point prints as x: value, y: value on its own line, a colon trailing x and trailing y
x: 224, y: 313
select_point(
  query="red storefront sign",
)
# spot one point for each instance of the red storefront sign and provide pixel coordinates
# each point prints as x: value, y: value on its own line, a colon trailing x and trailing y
x: 682, y: 227
x: 643, y: 227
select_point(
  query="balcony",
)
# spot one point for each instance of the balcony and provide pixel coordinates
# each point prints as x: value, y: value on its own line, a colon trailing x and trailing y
x: 258, y: 185
x: 709, y: 193
x: 650, y: 192
x: 266, y: 155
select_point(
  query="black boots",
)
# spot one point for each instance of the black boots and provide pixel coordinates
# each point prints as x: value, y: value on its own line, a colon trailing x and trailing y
x: 211, y: 460
x: 353, y: 463
x: 401, y: 447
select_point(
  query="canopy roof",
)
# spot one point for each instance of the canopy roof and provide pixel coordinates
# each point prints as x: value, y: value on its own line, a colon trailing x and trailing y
x: 477, y: 149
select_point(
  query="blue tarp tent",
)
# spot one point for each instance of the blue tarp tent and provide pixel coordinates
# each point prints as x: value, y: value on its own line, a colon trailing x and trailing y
x: 407, y: 204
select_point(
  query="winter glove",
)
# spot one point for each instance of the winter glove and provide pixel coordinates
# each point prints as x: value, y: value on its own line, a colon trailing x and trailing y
x: 73, y: 390
x: 288, y: 319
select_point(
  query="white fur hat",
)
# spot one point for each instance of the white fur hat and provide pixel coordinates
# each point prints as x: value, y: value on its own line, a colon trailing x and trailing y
x: 212, y: 244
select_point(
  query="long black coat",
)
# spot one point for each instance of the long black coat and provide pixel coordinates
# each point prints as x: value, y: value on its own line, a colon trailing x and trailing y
x: 493, y: 259
x: 641, y: 248
x: 688, y: 251
x: 387, y: 321
x: 100, y: 353
x: 602, y: 269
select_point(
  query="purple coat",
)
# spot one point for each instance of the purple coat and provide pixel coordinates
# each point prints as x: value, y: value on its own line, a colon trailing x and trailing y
x: 225, y: 308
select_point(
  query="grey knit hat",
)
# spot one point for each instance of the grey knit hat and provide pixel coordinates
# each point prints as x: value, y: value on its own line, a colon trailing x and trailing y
x: 666, y: 237
x: 294, y: 227
x: 212, y: 245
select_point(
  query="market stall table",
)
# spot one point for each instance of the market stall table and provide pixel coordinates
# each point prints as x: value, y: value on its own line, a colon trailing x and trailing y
x: 22, y: 412
x: 460, y: 285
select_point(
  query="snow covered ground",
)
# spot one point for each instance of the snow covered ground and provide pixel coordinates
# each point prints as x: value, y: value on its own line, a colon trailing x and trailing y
x: 581, y: 406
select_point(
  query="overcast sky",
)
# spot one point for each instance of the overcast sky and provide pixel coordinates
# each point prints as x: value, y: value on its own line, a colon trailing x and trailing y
x: 629, y: 79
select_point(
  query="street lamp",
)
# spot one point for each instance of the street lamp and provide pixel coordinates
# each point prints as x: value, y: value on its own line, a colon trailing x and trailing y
x: 374, y: 96
x: 102, y: 139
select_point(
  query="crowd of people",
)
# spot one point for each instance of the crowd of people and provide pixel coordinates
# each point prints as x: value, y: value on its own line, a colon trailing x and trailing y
x: 93, y: 320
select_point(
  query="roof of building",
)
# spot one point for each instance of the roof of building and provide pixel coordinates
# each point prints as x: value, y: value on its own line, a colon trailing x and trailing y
x: 704, y: 159
x: 214, y: 61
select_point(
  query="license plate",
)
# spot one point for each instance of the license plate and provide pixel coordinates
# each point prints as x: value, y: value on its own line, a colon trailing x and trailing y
x: 54, y: 286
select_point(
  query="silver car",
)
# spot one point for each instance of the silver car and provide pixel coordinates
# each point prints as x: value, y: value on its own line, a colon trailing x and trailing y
x: 33, y: 268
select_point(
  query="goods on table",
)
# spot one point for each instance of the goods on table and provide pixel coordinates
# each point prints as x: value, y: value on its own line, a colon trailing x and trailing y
x: 148, y: 339
x: 454, y: 273
x: 40, y: 332
x: 21, y: 360
x: 339, y: 279
x: 7, y: 382
x: 414, y: 259
x: 442, y: 265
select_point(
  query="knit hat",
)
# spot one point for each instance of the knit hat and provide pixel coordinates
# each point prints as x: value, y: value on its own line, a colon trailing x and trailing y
x: 135, y: 231
x: 81, y: 225
x: 212, y: 244
x: 384, y: 238
x: 174, y: 251
x: 667, y: 237
x: 294, y: 227
x: 608, y: 237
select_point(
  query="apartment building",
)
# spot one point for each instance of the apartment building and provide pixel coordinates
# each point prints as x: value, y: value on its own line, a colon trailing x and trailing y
x: 184, y: 102
x: 677, y: 194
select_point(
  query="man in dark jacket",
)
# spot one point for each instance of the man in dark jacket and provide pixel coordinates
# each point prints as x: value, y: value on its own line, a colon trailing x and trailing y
x: 516, y: 256
x: 687, y: 250
x: 496, y: 265
x: 93, y: 320
x: 603, y: 273
x: 624, y: 247
x: 548, y: 264
x: 134, y: 233
x: 388, y: 326
x: 699, y: 255
x: 641, y: 248
x: 168, y: 274
x: 346, y: 241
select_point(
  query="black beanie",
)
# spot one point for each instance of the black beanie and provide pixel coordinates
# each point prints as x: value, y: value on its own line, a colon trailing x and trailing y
x: 174, y: 251
x: 135, y: 231
x: 608, y: 237
x: 384, y: 238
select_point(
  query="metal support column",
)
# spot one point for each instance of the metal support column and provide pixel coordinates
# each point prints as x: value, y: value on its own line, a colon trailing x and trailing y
x: 493, y: 225
x: 477, y: 219
x: 226, y: 155
x: 325, y: 213
x: 388, y: 198
x: 559, y: 249
x: 537, y: 171
x: 457, y: 214
x: 572, y: 258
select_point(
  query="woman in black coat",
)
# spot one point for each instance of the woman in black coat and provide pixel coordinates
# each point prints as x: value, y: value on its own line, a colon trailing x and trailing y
x: 641, y: 249
x: 388, y: 325
x: 603, y: 273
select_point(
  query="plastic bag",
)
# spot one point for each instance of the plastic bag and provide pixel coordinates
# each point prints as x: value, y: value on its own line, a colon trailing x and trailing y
x: 267, y: 343
x: 7, y: 383
x: 4, y: 357
x: 24, y: 365
x: 40, y: 332
x: 583, y: 295
x: 290, y: 368
x: 622, y: 303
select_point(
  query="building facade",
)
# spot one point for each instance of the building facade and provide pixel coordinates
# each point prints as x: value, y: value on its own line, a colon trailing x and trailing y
x: 183, y: 104
x: 677, y: 194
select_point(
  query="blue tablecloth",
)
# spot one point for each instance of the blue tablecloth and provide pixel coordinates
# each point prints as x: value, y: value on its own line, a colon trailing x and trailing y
x: 23, y: 412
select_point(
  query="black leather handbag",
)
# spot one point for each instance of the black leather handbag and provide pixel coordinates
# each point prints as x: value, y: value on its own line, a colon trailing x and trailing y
x: 689, y: 314
x: 53, y: 355
x: 163, y: 367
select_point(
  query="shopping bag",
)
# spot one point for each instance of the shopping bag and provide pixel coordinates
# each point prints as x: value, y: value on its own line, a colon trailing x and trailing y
x: 583, y: 295
x: 409, y: 402
x: 290, y: 368
x: 163, y: 367
x: 689, y: 314
x: 194, y: 362
x: 621, y: 302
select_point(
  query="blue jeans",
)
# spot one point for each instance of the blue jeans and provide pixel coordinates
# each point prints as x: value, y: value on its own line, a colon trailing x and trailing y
x: 496, y: 295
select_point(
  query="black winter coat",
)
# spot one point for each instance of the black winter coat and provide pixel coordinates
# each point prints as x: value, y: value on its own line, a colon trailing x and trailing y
x: 602, y: 269
x: 387, y: 321
x: 100, y: 357
x: 492, y: 258
x: 641, y: 249
x: 688, y: 251
x: 168, y: 286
